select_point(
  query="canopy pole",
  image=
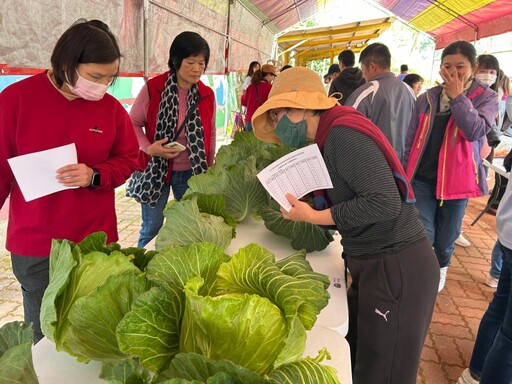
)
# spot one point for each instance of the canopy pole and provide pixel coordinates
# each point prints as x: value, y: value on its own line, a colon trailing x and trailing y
x: 226, y: 50
x: 145, y: 26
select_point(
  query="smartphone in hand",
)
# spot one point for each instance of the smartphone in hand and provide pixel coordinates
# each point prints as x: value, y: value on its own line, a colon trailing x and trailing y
x: 175, y: 145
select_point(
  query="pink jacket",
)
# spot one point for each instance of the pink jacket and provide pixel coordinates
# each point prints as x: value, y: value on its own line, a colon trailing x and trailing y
x: 460, y: 172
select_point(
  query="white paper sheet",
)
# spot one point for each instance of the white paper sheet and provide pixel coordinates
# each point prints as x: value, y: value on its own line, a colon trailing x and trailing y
x: 35, y: 172
x: 297, y: 173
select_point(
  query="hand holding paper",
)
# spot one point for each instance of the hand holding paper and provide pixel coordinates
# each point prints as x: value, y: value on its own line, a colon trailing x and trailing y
x: 36, y: 172
x: 297, y: 173
x: 75, y: 175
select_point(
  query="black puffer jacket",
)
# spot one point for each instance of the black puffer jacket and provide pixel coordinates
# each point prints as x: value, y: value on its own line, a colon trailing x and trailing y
x: 347, y: 82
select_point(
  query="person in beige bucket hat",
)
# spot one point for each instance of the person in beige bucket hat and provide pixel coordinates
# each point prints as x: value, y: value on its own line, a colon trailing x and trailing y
x: 395, y: 273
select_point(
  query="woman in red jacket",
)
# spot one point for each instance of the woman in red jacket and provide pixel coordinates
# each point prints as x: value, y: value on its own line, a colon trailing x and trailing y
x: 67, y: 104
x: 257, y: 93
x: 173, y: 107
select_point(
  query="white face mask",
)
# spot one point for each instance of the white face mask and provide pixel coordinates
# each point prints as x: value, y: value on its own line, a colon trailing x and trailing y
x: 88, y: 90
x: 486, y: 78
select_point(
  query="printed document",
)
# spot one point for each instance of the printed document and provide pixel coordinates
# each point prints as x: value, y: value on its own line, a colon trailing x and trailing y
x: 36, y: 172
x: 298, y: 173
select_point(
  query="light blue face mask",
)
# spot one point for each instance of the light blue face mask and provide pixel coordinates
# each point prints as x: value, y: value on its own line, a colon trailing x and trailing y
x: 292, y: 134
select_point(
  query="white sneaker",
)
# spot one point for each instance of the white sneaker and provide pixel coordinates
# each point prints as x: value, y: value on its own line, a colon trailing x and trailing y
x: 462, y: 241
x: 466, y: 378
x: 442, y: 278
x: 491, y: 281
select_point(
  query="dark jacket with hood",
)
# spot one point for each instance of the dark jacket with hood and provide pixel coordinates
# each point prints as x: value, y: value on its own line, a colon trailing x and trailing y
x: 347, y: 82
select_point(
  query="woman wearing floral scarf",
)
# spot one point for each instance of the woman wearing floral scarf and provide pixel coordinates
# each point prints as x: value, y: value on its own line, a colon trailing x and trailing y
x: 444, y: 166
x: 173, y: 107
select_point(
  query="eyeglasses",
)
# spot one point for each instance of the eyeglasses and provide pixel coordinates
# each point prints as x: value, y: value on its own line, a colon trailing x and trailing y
x: 274, y: 114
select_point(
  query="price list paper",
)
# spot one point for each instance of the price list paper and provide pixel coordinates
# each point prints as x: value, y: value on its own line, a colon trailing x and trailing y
x: 298, y: 173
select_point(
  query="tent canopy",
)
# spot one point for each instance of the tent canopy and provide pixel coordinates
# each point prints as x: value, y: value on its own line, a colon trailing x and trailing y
x: 451, y: 20
x: 327, y: 42
x: 282, y: 14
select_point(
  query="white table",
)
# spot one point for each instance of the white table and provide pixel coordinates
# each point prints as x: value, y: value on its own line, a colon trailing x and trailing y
x: 54, y: 367
x: 328, y: 262
x: 497, y: 166
x: 501, y: 177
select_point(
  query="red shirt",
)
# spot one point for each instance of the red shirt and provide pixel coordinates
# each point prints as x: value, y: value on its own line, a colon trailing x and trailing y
x: 35, y: 116
x: 250, y: 98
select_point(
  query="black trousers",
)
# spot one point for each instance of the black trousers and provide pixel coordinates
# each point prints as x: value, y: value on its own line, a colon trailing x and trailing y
x: 391, y: 301
x: 33, y: 275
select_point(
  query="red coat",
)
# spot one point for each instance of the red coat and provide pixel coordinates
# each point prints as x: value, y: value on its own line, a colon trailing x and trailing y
x: 250, y: 98
x: 206, y: 108
x: 35, y: 116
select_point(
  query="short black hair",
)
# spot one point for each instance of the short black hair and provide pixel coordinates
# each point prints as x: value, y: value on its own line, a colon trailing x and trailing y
x: 464, y: 48
x: 347, y: 58
x: 285, y: 67
x: 404, y: 67
x: 412, y: 78
x: 85, y: 42
x: 378, y: 53
x: 187, y: 44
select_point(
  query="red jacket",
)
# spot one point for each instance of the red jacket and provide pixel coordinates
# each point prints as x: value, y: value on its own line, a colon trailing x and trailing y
x: 250, y: 98
x: 206, y: 110
x: 35, y: 116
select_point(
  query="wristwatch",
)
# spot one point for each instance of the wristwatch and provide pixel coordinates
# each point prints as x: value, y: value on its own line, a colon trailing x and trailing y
x: 96, y: 178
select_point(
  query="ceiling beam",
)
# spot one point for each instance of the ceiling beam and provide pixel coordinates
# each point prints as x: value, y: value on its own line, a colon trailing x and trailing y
x: 336, y: 40
x: 338, y: 31
x: 326, y: 51
x: 310, y: 56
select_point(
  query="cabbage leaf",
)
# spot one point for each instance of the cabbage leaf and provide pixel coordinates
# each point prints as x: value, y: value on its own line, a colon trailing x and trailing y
x: 247, y: 329
x: 151, y: 330
x: 305, y: 371
x: 197, y: 368
x: 303, y: 235
x: 74, y: 275
x: 239, y: 185
x: 94, y: 318
x: 16, y: 365
x: 124, y: 372
x: 185, y: 224
x: 253, y: 270
x: 246, y: 144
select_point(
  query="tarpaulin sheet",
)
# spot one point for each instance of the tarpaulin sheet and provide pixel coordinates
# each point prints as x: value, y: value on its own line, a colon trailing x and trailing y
x: 451, y: 20
x: 31, y: 28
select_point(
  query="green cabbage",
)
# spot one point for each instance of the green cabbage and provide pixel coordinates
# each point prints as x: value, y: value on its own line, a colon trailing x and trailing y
x: 185, y: 224
x: 247, y: 329
x: 303, y: 235
x: 197, y: 368
x: 305, y: 371
x: 66, y: 310
x: 239, y: 185
x: 16, y: 354
x: 192, y: 314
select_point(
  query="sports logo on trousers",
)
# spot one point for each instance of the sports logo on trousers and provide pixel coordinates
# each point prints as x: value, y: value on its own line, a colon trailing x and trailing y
x: 384, y: 315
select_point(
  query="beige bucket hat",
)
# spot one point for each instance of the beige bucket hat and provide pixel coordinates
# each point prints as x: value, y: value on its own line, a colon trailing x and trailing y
x: 297, y: 87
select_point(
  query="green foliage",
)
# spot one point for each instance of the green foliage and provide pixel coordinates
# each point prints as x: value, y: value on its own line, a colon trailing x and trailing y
x: 16, y: 353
